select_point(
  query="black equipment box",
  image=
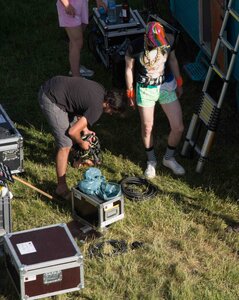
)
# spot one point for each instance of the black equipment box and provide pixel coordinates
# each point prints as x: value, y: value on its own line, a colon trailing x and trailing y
x: 95, y: 212
x: 5, y: 211
x: 109, y: 39
x: 11, y: 144
x: 44, y: 261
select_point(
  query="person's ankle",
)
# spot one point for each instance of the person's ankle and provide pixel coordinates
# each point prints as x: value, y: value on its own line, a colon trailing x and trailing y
x: 61, y: 189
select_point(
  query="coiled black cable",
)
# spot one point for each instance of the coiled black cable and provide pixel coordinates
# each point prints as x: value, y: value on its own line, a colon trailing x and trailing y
x: 138, y: 188
x: 118, y: 246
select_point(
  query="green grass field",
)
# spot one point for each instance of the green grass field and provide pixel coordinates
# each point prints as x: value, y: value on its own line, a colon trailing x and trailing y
x: 188, y: 253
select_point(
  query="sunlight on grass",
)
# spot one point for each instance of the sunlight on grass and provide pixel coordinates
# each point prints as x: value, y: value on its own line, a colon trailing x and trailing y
x: 186, y: 251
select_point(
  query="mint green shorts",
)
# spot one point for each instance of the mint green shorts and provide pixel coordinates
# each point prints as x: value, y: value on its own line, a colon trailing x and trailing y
x: 148, y: 96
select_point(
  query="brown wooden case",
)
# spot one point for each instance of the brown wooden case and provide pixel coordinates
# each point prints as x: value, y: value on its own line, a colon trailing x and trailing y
x: 44, y: 261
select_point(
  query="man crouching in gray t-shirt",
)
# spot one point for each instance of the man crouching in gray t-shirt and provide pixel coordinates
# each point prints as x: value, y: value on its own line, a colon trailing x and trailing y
x: 70, y: 105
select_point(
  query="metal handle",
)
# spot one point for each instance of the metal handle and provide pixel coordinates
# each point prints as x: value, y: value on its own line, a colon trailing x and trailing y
x: 51, y: 277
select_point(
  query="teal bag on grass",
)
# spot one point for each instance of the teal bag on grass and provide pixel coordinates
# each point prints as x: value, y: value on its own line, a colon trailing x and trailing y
x: 94, y: 183
x: 91, y: 182
x: 109, y: 190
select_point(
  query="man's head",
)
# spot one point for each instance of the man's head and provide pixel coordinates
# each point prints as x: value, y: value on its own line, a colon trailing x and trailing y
x: 155, y: 35
x: 114, y: 102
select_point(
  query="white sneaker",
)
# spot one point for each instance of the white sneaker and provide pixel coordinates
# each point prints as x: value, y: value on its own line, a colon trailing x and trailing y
x: 150, y: 171
x: 84, y: 72
x: 174, y: 166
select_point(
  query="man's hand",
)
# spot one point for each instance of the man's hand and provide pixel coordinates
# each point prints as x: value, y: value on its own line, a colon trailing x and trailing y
x: 85, y: 145
x: 87, y: 132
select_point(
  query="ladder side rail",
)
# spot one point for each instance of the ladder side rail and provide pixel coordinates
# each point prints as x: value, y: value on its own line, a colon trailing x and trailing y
x: 230, y: 69
x: 233, y: 58
x: 215, y: 53
x: 207, y: 79
x: 208, y: 141
x: 229, y: 5
x: 190, y: 133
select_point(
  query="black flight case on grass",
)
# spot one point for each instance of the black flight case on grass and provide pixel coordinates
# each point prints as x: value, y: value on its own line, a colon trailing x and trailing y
x: 109, y: 39
x: 11, y: 144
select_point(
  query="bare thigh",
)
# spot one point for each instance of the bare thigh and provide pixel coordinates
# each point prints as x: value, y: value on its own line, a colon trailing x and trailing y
x: 146, y: 115
x: 173, y: 112
x: 75, y: 34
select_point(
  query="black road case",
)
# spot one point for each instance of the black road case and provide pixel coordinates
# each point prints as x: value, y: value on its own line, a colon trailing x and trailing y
x: 107, y: 38
x: 11, y: 144
x: 95, y: 212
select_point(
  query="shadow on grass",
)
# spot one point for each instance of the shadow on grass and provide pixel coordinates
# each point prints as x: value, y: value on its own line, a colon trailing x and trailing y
x: 192, y: 205
x: 6, y: 287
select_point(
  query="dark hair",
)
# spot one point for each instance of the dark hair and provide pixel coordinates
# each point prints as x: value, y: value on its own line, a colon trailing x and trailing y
x: 116, y: 101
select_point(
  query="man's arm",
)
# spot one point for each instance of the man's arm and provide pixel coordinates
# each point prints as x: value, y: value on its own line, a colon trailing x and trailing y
x: 129, y: 78
x: 75, y: 133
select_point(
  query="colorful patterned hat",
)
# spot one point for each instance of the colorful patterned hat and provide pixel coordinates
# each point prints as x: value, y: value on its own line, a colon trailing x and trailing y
x: 155, y: 34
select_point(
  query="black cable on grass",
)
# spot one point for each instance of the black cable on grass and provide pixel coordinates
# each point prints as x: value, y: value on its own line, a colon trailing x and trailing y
x: 117, y: 247
x: 138, y: 188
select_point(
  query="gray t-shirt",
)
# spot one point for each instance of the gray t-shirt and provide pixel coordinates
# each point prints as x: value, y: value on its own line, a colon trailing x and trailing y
x: 77, y: 96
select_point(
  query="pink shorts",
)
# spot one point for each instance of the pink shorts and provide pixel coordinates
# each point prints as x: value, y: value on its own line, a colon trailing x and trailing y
x: 81, y: 17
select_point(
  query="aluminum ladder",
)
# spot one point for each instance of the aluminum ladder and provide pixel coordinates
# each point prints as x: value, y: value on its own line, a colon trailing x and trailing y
x: 208, y: 111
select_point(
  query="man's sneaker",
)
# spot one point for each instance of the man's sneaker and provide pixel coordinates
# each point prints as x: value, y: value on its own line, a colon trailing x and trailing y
x: 84, y: 72
x: 174, y: 166
x: 150, y: 171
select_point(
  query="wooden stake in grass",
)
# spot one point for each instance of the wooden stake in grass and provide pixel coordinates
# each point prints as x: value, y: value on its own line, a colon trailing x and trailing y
x: 33, y: 187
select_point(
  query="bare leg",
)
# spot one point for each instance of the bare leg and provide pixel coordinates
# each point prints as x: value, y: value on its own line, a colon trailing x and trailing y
x: 173, y: 112
x: 147, y: 122
x: 61, y: 167
x: 75, y: 35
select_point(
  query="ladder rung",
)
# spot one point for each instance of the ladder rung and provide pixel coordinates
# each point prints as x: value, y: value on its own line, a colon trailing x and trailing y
x: 234, y: 14
x: 208, y: 112
x: 227, y: 44
x: 206, y: 109
x: 209, y: 98
x: 219, y: 72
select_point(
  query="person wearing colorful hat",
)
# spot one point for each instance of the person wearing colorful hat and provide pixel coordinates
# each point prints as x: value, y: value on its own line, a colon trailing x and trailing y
x: 157, y: 79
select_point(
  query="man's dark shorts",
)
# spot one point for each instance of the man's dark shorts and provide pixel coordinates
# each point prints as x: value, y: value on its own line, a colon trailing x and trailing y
x: 57, y: 119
